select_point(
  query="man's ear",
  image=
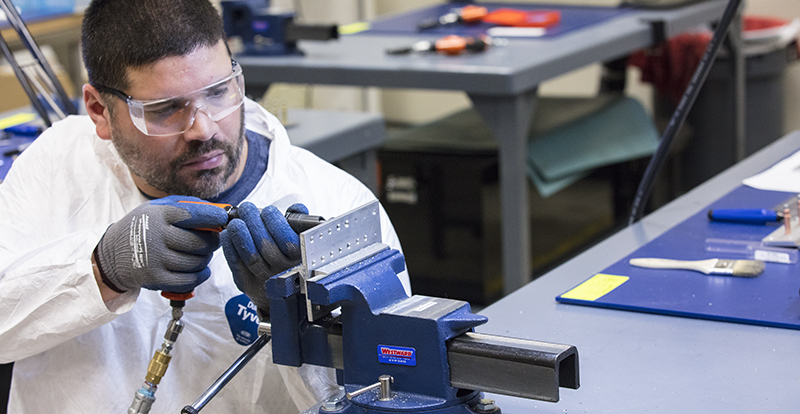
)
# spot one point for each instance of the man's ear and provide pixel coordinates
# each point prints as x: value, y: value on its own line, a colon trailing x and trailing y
x: 97, y: 111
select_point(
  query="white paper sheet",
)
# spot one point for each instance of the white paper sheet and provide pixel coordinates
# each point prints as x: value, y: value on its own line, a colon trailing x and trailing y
x: 783, y: 176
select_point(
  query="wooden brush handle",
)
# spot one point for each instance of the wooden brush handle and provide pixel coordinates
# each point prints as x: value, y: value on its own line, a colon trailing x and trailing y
x: 697, y: 265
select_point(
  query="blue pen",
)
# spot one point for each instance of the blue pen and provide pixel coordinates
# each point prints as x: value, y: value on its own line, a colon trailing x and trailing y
x: 745, y: 215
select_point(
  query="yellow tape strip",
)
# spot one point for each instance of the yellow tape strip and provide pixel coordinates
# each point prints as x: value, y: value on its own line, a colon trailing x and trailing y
x: 353, y: 28
x: 17, y: 119
x: 595, y: 287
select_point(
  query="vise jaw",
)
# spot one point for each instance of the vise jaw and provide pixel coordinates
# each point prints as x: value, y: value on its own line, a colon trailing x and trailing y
x: 344, y: 307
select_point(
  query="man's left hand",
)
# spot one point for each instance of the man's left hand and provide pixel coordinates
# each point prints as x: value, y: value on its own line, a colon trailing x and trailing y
x: 258, y: 246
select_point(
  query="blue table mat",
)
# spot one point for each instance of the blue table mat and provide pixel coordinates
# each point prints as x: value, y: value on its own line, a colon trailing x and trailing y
x: 770, y: 299
x: 572, y: 18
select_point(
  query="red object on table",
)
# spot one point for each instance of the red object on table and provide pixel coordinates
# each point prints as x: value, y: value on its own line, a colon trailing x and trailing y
x: 671, y: 65
x: 523, y: 18
x: 762, y: 22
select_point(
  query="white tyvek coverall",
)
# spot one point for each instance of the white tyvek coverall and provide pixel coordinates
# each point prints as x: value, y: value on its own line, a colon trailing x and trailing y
x: 72, y: 353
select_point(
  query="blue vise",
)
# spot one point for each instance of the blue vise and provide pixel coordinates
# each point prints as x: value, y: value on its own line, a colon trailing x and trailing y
x: 263, y: 32
x: 344, y: 307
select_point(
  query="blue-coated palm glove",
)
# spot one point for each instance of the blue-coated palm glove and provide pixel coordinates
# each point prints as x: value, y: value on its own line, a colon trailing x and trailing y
x: 160, y: 245
x: 258, y: 246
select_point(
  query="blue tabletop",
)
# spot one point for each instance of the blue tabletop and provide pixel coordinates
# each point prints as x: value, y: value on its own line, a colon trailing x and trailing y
x: 648, y: 363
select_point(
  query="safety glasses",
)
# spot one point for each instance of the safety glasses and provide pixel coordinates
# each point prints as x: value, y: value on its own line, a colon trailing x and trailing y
x: 170, y: 116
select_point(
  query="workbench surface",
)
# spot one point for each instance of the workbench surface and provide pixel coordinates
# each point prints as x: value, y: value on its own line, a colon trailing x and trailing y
x: 638, y: 363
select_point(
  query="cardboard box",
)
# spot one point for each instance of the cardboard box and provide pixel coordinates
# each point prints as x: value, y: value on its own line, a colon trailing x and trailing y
x: 12, y: 96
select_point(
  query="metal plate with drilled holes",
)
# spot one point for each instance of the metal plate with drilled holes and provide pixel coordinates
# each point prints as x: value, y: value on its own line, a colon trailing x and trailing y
x: 340, y: 236
x: 332, y: 242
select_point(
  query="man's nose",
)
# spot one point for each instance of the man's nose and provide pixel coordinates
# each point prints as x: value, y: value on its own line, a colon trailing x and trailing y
x: 202, y: 127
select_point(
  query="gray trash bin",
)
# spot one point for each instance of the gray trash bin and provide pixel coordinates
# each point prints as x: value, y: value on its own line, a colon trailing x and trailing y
x: 712, y: 147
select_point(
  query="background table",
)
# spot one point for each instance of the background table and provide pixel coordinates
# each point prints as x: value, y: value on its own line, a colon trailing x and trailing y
x: 347, y: 139
x: 501, y: 82
x: 642, y: 363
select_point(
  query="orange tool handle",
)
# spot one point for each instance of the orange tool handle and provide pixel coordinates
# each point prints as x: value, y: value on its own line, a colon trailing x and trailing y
x: 451, y: 45
x: 226, y: 207
x: 473, y: 14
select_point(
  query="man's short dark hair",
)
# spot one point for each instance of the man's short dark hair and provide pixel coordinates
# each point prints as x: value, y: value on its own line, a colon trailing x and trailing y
x: 121, y: 34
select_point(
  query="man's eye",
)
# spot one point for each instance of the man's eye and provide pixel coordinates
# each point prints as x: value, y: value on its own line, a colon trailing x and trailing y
x: 166, y: 109
x: 218, y: 92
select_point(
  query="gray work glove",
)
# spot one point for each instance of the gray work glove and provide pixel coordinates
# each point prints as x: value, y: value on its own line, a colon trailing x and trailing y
x: 259, y: 245
x: 160, y: 245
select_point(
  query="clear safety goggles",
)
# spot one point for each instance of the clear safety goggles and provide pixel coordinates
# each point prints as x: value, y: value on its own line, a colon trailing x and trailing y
x: 171, y: 116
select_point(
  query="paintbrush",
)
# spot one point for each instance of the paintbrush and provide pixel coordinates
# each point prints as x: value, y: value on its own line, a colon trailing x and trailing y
x: 741, y: 268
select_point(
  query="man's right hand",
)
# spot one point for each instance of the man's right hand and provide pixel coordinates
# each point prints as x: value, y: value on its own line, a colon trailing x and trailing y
x: 164, y: 244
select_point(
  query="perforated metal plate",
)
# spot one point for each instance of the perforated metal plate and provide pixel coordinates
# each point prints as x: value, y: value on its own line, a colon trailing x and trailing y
x: 337, y: 243
x: 341, y: 236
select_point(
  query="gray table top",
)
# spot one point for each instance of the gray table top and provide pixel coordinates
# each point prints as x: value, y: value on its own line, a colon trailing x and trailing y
x: 503, y: 70
x: 331, y: 135
x: 501, y: 82
x: 335, y: 135
x: 645, y: 363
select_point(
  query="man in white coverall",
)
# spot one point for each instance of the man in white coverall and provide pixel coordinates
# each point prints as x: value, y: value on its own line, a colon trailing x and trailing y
x: 89, y: 216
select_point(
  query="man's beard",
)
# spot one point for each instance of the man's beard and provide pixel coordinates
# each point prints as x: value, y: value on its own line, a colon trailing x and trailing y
x: 203, y: 184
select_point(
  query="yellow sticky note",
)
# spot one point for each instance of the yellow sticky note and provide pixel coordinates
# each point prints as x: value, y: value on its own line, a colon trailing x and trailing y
x: 17, y: 119
x: 353, y: 28
x: 595, y: 287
